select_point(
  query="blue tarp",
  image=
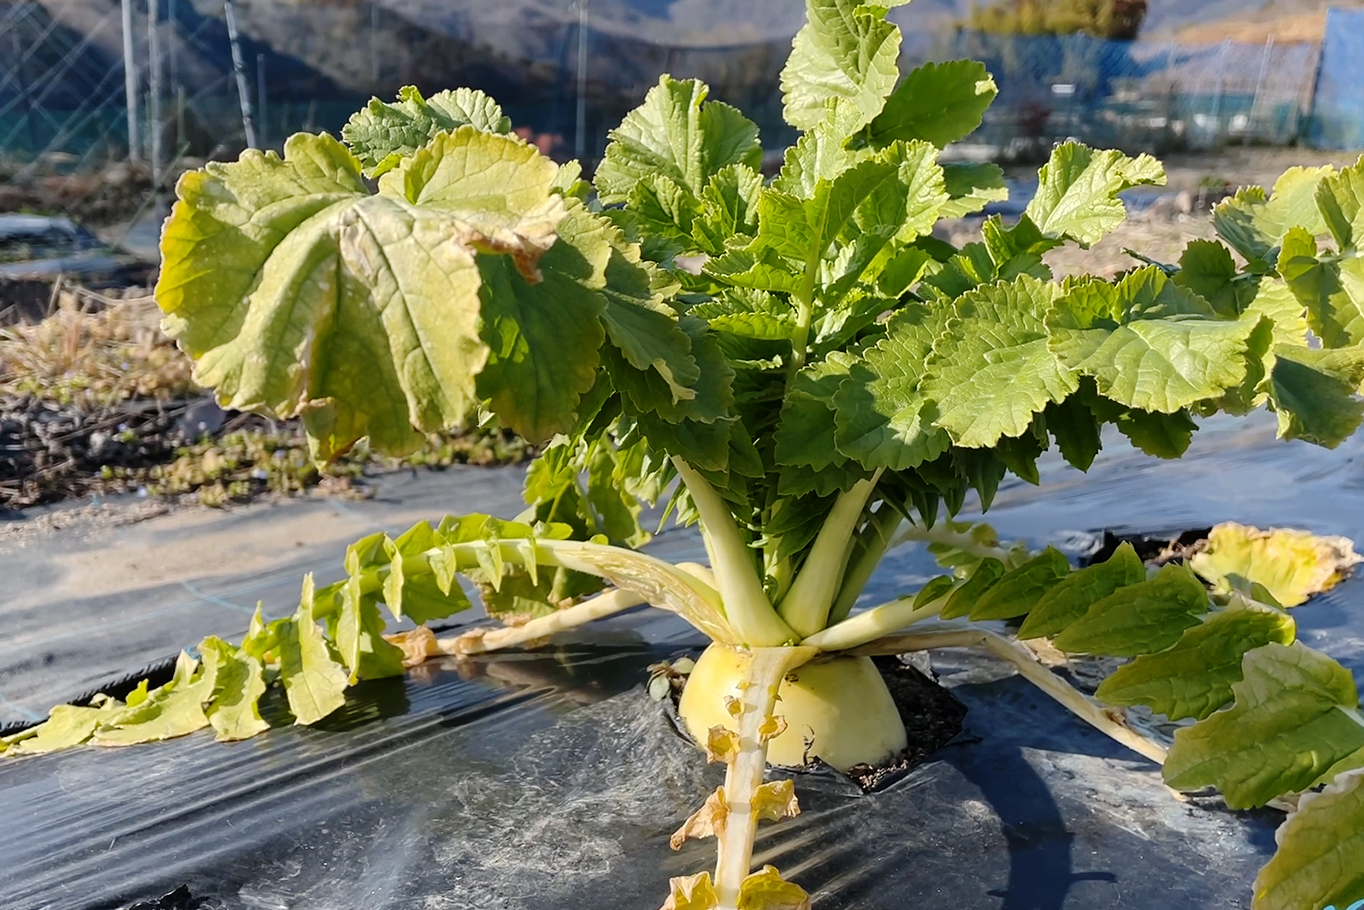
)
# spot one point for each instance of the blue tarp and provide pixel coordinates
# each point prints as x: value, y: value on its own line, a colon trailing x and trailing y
x: 1338, y: 111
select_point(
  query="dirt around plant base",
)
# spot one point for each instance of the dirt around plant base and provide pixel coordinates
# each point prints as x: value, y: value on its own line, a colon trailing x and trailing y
x: 932, y: 717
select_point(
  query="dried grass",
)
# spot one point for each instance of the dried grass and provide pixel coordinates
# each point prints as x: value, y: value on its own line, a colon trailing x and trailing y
x: 95, y: 352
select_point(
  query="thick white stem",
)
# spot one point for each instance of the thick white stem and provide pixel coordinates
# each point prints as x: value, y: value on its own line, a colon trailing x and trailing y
x: 806, y: 606
x: 744, y: 773
x: 747, y: 610
x: 1030, y: 669
x: 481, y: 640
x: 478, y: 641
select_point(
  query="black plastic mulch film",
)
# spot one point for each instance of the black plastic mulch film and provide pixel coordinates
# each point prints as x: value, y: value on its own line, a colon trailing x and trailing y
x: 549, y: 779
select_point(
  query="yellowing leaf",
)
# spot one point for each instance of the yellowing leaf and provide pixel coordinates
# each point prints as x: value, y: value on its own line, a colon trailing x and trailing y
x: 314, y: 681
x: 66, y: 726
x: 298, y: 292
x: 775, y: 800
x: 172, y: 710
x: 767, y: 890
x: 771, y: 727
x: 722, y: 745
x: 1293, y: 565
x: 238, y: 684
x: 691, y: 892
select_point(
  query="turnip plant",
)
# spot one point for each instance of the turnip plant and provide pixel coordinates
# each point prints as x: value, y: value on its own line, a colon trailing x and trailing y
x: 799, y: 367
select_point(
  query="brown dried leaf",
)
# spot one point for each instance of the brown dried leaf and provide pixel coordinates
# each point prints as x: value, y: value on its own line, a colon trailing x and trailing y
x: 708, y: 821
x: 691, y: 892
x: 417, y: 645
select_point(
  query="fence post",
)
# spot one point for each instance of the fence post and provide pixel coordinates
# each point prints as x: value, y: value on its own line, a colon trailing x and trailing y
x: 580, y: 118
x: 154, y: 92
x: 262, y: 119
x: 1260, y: 79
x: 130, y: 84
x: 239, y: 70
x: 1217, y: 96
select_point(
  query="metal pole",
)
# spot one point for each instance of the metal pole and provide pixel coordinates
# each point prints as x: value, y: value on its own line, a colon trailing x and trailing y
x: 580, y: 124
x: 373, y: 45
x: 262, y: 119
x: 154, y: 89
x: 130, y: 84
x: 1260, y: 79
x: 1217, y: 96
x: 239, y: 70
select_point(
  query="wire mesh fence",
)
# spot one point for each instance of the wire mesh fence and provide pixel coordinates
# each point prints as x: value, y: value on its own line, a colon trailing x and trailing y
x: 148, y: 87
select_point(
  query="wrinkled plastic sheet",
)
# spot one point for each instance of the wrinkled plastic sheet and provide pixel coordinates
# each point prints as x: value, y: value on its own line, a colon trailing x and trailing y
x: 549, y: 779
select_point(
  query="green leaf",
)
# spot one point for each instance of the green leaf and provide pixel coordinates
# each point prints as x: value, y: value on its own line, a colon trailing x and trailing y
x: 1316, y: 393
x: 645, y: 330
x: 1071, y: 599
x: 543, y: 338
x: 1331, y: 288
x: 66, y: 726
x: 314, y: 681
x: 846, y: 51
x: 712, y: 397
x: 385, y: 133
x: 992, y: 370
x: 1076, y: 430
x: 1077, y: 193
x: 174, y: 709
x: 1139, y: 619
x: 972, y: 186
x: 238, y: 684
x: 882, y: 419
x: 1291, y: 565
x: 676, y: 135
x: 1296, y: 712
x: 1148, y: 343
x: 963, y: 600
x: 806, y: 428
x: 297, y: 292
x: 1194, y: 677
x: 729, y: 207
x: 1254, y: 224
x: 1158, y: 435
x: 1320, y: 860
x: 1207, y: 269
x: 1340, y: 199
x: 1019, y: 591
x: 755, y: 266
x: 749, y: 314
x: 938, y: 102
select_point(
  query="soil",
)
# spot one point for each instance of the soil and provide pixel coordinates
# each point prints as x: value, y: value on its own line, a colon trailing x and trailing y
x: 931, y: 714
x: 932, y: 717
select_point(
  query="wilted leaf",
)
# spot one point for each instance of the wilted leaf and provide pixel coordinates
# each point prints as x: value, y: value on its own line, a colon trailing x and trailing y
x: 1292, y: 564
x: 767, y: 890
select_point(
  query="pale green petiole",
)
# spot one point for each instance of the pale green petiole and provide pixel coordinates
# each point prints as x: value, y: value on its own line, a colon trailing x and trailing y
x: 1029, y: 668
x: 806, y: 606
x: 875, y: 623
x: 746, y: 606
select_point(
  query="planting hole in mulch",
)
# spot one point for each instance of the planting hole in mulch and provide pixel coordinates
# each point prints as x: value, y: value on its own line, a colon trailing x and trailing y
x: 931, y: 714
x: 932, y: 717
